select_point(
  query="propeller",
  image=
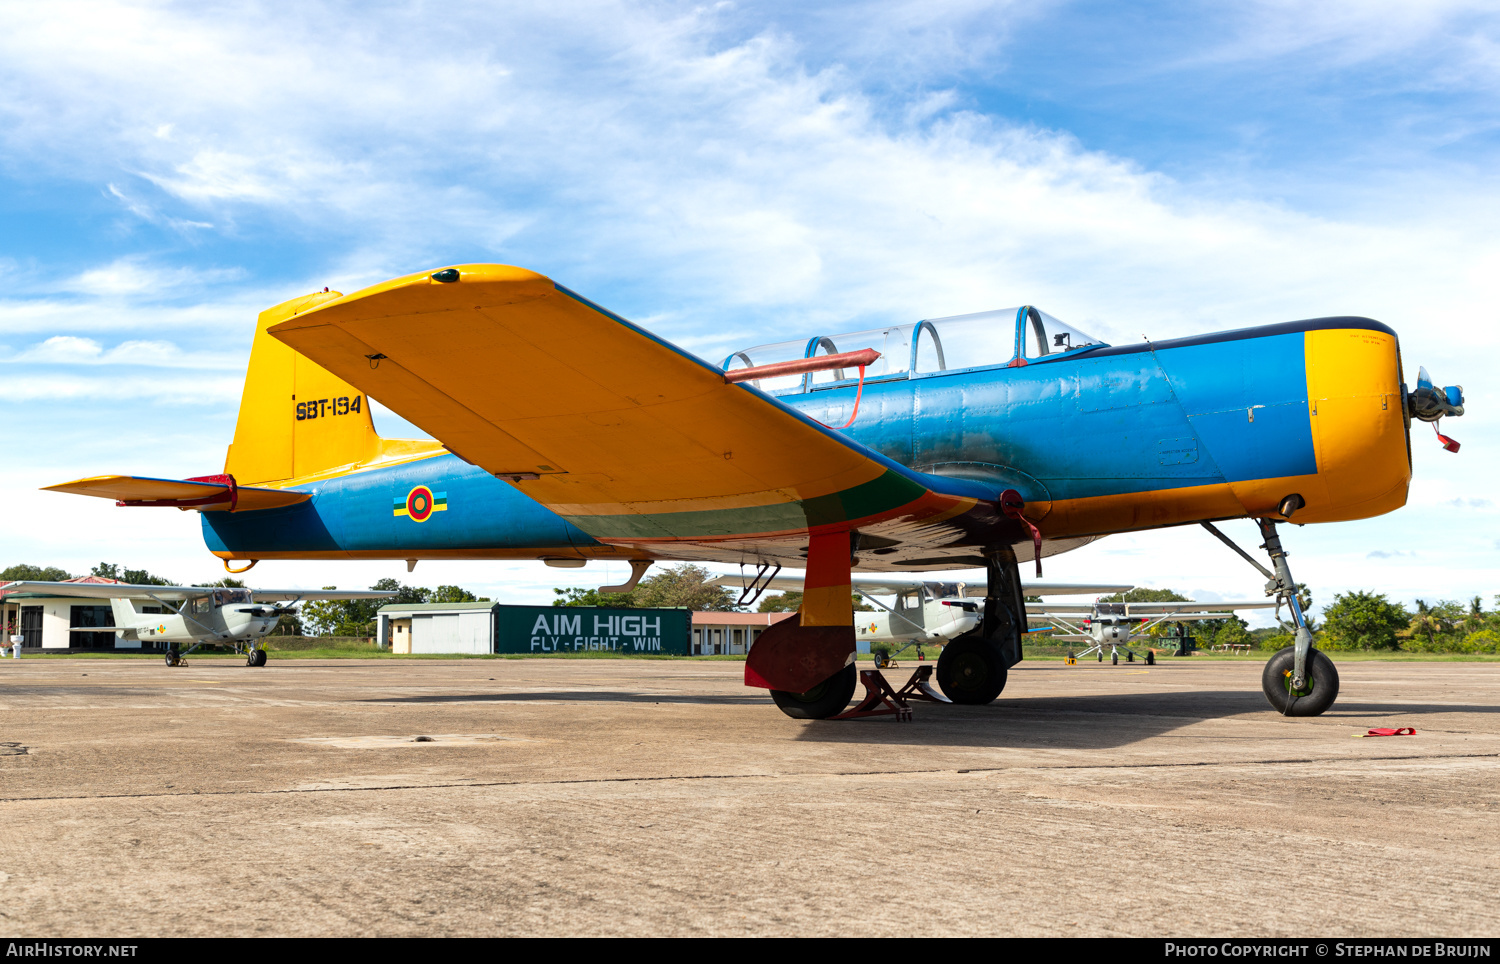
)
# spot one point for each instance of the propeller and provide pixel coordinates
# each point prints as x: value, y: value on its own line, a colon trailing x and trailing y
x: 1429, y: 403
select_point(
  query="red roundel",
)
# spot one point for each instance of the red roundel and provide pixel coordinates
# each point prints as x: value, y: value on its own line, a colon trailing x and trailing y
x: 419, y: 503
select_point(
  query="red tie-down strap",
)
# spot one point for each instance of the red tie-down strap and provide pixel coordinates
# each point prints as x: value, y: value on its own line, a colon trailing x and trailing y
x: 1011, y: 505
x: 1447, y: 442
x: 1386, y: 731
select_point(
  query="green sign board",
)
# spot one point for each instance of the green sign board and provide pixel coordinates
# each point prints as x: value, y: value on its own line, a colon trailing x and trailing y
x: 579, y: 629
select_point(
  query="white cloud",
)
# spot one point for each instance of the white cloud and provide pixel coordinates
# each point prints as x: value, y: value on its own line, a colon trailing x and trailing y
x: 114, y: 388
x: 133, y: 276
x: 73, y: 350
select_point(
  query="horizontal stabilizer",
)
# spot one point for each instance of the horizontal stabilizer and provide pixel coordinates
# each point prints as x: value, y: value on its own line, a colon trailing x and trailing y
x: 209, y: 494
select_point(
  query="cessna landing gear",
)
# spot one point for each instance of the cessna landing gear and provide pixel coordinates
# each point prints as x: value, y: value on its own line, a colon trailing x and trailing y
x: 826, y: 699
x: 1299, y: 680
x: 174, y: 658
x: 973, y: 668
x: 255, y: 657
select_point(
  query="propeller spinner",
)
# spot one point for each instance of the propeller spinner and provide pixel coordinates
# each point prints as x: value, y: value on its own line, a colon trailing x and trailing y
x: 1430, y: 403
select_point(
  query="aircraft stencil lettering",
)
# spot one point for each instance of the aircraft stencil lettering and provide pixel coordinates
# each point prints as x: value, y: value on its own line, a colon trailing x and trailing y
x: 572, y: 434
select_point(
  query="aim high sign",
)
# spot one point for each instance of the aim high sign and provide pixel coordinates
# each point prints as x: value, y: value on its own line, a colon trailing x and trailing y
x: 554, y: 629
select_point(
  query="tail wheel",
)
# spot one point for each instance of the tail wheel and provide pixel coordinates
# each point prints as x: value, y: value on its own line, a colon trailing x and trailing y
x: 1318, y: 692
x: 826, y: 699
x: 970, y: 671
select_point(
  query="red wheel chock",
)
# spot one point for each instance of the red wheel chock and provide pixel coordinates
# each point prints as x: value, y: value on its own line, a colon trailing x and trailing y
x: 890, y: 702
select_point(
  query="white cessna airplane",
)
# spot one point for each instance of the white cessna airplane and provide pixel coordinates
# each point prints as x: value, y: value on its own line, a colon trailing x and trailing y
x: 1115, y: 624
x: 193, y: 614
x: 926, y: 609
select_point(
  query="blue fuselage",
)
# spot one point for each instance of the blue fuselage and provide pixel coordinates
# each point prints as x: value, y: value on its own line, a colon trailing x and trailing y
x: 1206, y: 427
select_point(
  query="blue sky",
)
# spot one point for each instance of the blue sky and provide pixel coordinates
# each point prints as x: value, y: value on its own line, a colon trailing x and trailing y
x: 732, y: 174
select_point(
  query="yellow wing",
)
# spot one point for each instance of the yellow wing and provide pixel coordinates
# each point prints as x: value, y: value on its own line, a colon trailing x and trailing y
x: 620, y: 432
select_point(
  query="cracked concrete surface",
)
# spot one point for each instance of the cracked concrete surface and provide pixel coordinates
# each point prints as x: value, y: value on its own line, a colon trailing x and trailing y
x: 650, y: 798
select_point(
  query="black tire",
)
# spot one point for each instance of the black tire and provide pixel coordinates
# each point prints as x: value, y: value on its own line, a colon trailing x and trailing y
x: 1322, y: 683
x: 1114, y: 659
x: 970, y: 671
x: 257, y: 658
x: 826, y: 699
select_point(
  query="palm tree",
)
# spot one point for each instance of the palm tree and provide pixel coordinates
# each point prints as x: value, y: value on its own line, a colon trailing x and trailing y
x: 1474, y: 622
x: 1425, y: 622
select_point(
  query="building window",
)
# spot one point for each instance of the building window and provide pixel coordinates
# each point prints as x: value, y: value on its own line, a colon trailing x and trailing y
x: 85, y: 616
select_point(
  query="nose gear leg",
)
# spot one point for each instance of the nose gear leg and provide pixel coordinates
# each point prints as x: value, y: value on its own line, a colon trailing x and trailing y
x: 1281, y: 585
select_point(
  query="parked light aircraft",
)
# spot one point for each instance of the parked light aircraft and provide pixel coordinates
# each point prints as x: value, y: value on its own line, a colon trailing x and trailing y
x: 1115, y: 624
x: 562, y: 432
x: 925, y: 611
x: 193, y: 615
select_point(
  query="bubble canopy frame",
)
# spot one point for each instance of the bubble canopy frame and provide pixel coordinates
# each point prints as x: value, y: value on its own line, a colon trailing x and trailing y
x: 1007, y: 337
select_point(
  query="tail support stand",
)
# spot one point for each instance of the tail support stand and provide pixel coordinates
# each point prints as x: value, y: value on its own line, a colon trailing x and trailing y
x: 881, y: 700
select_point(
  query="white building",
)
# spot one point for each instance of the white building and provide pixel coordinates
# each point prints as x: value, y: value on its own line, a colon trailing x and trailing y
x: 59, y: 623
x: 732, y: 634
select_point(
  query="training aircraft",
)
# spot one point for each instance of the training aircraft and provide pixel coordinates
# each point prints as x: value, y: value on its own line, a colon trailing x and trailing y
x: 192, y: 615
x: 1115, y: 624
x: 563, y: 432
x: 926, y: 610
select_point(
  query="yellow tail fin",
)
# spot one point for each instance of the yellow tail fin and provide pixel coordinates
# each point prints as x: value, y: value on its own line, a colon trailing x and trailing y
x: 296, y: 418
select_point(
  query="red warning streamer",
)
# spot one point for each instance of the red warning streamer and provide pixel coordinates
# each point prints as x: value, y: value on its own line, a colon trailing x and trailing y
x: 1011, y: 505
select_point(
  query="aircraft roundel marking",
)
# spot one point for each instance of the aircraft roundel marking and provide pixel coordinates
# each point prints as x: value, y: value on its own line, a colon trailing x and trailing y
x: 419, y: 503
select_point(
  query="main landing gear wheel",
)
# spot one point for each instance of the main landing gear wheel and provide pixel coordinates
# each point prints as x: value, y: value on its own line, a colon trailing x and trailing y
x: 1317, y: 695
x: 174, y: 658
x: 970, y: 671
x: 256, y: 657
x: 826, y: 699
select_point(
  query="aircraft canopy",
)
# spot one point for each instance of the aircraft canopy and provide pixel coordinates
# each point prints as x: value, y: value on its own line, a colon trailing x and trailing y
x: 1009, y: 336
